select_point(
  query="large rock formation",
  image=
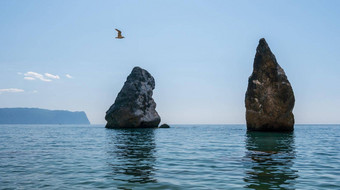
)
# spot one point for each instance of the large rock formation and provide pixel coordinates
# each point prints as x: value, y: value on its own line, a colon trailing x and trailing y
x: 134, y: 106
x: 269, y: 97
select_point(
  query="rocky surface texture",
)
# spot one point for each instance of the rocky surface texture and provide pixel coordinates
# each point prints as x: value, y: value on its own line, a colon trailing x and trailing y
x: 269, y: 97
x: 134, y: 106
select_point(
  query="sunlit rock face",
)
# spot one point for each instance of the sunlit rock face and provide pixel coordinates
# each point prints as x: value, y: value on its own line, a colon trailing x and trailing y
x: 269, y: 98
x: 134, y: 106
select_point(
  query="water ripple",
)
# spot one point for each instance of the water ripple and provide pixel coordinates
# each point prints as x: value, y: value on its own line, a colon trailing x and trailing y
x: 182, y: 157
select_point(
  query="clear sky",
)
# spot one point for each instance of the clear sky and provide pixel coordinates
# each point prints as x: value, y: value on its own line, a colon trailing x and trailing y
x: 63, y: 55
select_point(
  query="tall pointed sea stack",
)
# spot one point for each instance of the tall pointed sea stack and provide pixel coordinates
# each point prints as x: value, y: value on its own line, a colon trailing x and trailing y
x: 134, y: 106
x: 269, y: 97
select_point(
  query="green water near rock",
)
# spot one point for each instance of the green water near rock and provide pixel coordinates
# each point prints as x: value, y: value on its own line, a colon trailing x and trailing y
x: 181, y: 157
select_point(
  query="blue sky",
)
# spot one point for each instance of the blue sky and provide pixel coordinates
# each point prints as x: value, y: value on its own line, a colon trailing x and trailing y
x: 200, y: 53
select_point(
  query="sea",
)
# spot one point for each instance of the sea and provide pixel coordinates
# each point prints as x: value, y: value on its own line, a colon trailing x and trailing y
x: 181, y: 157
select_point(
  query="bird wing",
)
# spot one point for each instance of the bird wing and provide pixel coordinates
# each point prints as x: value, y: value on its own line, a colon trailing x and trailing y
x: 119, y: 32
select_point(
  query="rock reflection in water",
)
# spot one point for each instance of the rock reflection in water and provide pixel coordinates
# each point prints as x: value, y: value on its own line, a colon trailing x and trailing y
x: 131, y: 154
x: 269, y: 160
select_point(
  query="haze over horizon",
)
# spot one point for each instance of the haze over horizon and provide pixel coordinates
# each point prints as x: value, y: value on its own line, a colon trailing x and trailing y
x: 63, y: 55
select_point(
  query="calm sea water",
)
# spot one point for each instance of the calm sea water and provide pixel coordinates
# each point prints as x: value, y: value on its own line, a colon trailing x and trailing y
x: 182, y: 157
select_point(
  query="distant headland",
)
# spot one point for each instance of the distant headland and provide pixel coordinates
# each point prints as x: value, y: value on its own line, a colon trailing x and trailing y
x: 41, y: 116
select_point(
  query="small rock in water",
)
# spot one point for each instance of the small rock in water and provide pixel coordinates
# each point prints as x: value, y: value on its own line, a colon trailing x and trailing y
x: 269, y: 97
x: 134, y: 106
x: 164, y: 126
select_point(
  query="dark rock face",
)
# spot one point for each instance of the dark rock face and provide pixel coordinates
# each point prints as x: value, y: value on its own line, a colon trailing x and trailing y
x: 134, y: 106
x: 269, y: 97
x: 164, y: 126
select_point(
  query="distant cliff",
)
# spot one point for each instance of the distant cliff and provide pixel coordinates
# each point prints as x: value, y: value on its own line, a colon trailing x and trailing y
x: 41, y: 116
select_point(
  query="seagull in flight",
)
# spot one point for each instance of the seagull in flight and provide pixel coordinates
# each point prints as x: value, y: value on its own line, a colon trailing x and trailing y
x: 119, y: 34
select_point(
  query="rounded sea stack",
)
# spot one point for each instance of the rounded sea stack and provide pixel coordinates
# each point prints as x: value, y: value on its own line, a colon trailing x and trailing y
x: 134, y: 106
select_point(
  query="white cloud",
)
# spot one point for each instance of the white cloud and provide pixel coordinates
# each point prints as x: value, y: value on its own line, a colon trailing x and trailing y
x: 29, y: 78
x: 69, y: 76
x: 14, y: 90
x: 37, y: 76
x: 52, y: 76
x: 19, y: 73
